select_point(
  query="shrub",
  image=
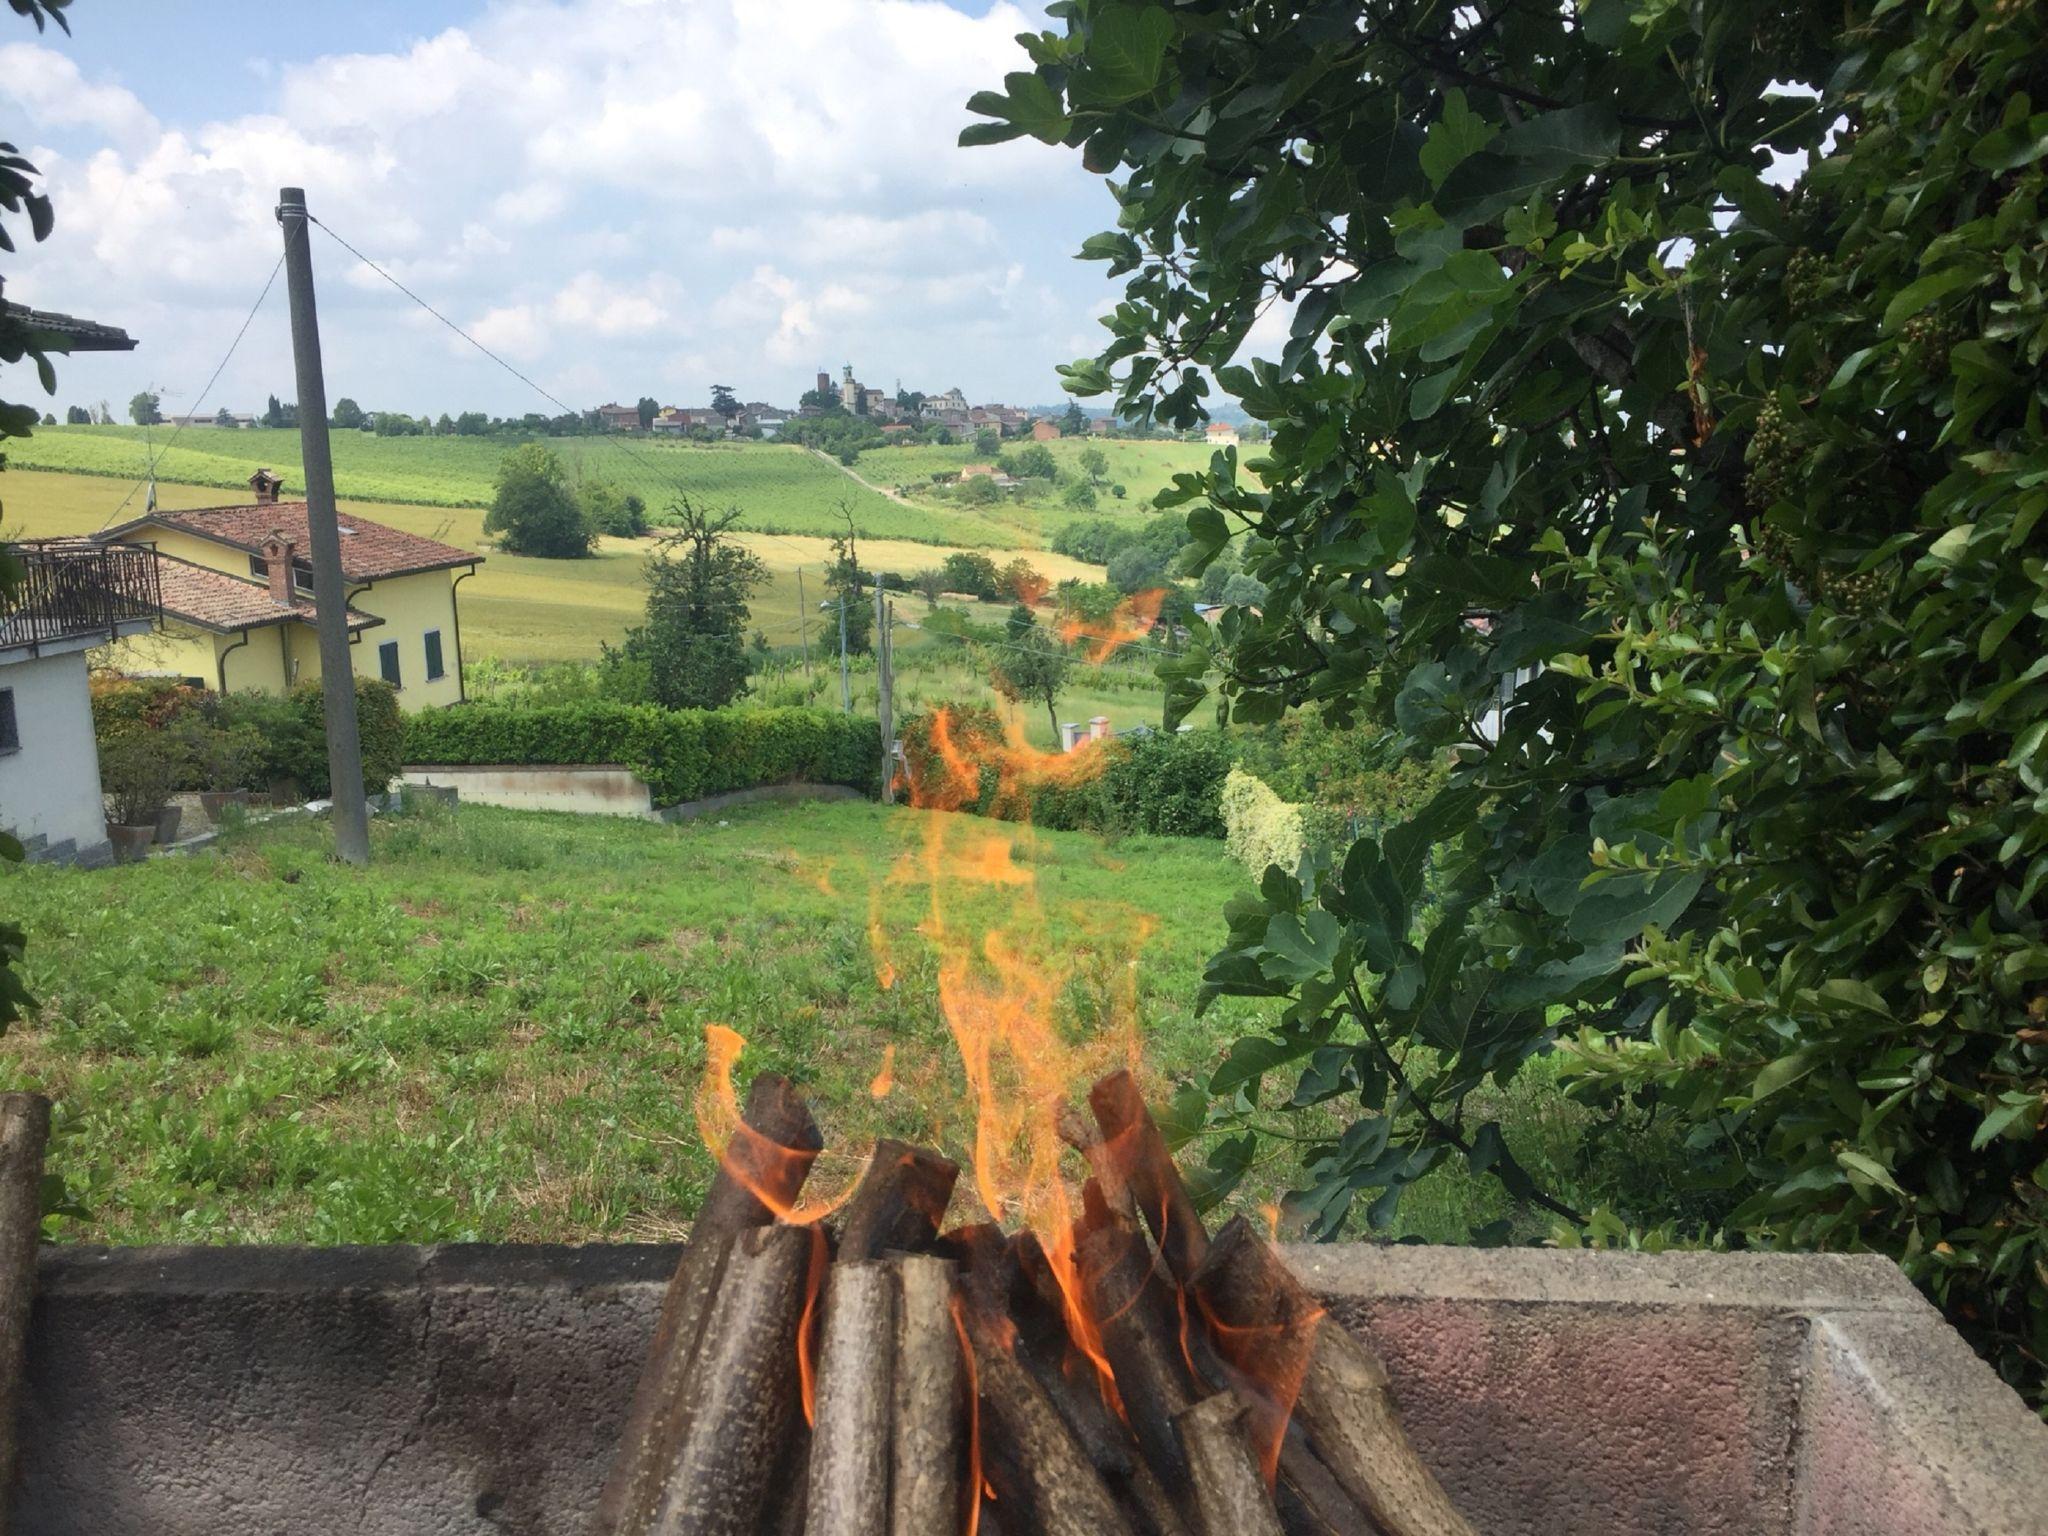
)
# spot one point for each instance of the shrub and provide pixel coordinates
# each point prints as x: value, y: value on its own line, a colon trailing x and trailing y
x: 1261, y: 829
x: 1079, y: 497
x: 1033, y: 461
x: 980, y: 491
x: 533, y: 511
x: 299, y: 748
x: 683, y: 754
x: 973, y: 573
x: 138, y: 775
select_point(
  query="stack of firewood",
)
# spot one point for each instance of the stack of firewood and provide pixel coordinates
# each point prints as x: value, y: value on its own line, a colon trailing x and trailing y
x: 878, y: 1375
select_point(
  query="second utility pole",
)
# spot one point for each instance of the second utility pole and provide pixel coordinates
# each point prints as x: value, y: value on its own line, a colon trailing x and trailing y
x: 885, y: 688
x: 330, y: 595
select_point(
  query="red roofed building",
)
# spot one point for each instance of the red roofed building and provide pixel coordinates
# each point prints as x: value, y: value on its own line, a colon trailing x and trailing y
x: 238, y: 599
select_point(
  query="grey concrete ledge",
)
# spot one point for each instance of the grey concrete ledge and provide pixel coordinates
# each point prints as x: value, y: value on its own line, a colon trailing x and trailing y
x: 477, y: 1389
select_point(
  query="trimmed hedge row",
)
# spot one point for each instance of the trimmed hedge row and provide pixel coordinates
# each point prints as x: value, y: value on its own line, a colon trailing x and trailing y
x: 683, y: 754
x: 286, y: 734
x: 1164, y: 784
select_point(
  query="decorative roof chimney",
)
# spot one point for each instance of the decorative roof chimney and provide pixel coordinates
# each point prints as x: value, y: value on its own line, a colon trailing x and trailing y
x: 277, y: 557
x: 265, y: 485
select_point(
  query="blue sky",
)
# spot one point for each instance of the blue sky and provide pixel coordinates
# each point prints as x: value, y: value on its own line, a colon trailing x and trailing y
x: 621, y: 196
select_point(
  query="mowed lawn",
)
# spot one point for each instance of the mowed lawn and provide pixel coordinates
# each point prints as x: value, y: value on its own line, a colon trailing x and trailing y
x: 516, y: 608
x: 496, y: 1031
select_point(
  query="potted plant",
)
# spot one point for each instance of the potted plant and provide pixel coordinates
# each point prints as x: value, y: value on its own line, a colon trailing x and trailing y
x: 137, y: 773
x: 226, y: 760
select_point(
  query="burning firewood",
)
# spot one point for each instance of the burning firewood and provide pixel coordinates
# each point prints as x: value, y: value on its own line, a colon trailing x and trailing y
x: 1226, y: 1491
x: 1043, y: 1482
x: 771, y: 1156
x: 741, y: 1390
x: 927, y: 1401
x: 850, y: 1441
x: 1044, y: 1384
x: 1344, y: 1401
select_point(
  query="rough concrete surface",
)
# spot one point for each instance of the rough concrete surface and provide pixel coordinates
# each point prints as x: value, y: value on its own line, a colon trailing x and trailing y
x: 404, y: 1390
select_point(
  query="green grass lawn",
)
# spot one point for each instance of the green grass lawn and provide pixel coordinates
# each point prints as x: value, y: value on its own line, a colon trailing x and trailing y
x: 497, y: 1030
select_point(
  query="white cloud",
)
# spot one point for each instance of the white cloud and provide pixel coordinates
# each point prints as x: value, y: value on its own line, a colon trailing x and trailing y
x: 49, y: 89
x: 633, y: 196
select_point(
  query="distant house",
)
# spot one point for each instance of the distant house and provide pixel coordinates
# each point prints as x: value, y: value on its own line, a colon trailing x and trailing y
x: 952, y: 403
x: 74, y: 595
x: 769, y: 423
x: 897, y: 431
x: 680, y: 419
x: 1221, y: 434
x: 619, y: 418
x: 1043, y: 431
x: 1101, y: 426
x: 237, y: 597
x: 969, y: 471
x: 234, y: 420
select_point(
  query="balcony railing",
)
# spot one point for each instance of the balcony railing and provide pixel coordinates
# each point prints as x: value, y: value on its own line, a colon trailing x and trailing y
x: 73, y: 589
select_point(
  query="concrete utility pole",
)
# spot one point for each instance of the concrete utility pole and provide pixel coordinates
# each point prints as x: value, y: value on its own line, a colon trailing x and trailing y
x: 845, y: 687
x: 885, y: 684
x: 330, y: 594
x: 803, y: 619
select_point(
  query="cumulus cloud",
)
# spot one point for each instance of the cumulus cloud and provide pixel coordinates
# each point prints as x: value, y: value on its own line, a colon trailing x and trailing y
x: 636, y: 192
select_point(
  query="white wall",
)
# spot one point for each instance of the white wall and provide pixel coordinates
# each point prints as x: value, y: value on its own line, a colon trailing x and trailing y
x: 52, y: 785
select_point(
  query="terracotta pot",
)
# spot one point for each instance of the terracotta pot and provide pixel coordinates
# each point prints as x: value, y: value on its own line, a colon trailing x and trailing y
x: 131, y: 844
x: 167, y: 821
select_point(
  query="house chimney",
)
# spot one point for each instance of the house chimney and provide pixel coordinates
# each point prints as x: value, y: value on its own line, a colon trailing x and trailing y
x: 277, y: 556
x: 265, y: 486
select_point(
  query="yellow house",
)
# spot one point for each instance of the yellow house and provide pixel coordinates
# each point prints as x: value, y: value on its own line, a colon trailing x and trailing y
x: 238, y: 608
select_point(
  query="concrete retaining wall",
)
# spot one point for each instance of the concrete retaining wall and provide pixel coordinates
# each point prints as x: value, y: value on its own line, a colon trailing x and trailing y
x: 588, y: 790
x: 404, y: 1390
x: 597, y: 791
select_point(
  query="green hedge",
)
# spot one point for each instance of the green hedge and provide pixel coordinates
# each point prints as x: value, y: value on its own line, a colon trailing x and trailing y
x: 1165, y: 784
x: 290, y: 730
x: 683, y: 754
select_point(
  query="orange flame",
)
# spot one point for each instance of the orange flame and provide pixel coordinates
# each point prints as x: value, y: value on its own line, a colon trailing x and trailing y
x: 748, y: 1157
x: 977, y: 1485
x: 807, y: 1325
x: 1130, y: 621
x: 1274, y: 1359
x: 885, y: 1080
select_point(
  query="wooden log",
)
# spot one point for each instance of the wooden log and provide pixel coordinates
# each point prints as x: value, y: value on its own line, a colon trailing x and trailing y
x: 1132, y: 1142
x: 1138, y: 1320
x: 899, y: 1203
x: 928, y: 1406
x: 1260, y: 1313
x: 772, y: 1155
x: 1308, y: 1498
x: 1043, y: 1481
x: 24, y: 1133
x: 691, y: 1299
x: 1085, y: 1137
x: 850, y: 1449
x: 744, y: 1386
x: 1229, y: 1495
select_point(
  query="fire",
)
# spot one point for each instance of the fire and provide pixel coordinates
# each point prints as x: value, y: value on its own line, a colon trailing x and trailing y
x: 807, y: 1325
x: 743, y: 1152
x: 1130, y: 621
x: 1274, y: 1361
x: 977, y: 1485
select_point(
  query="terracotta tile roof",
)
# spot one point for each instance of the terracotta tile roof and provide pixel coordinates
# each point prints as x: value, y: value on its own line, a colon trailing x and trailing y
x: 215, y: 600
x: 83, y: 335
x: 369, y: 551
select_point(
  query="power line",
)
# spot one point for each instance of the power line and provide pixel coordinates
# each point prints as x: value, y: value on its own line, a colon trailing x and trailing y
x: 661, y: 474
x: 157, y: 457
